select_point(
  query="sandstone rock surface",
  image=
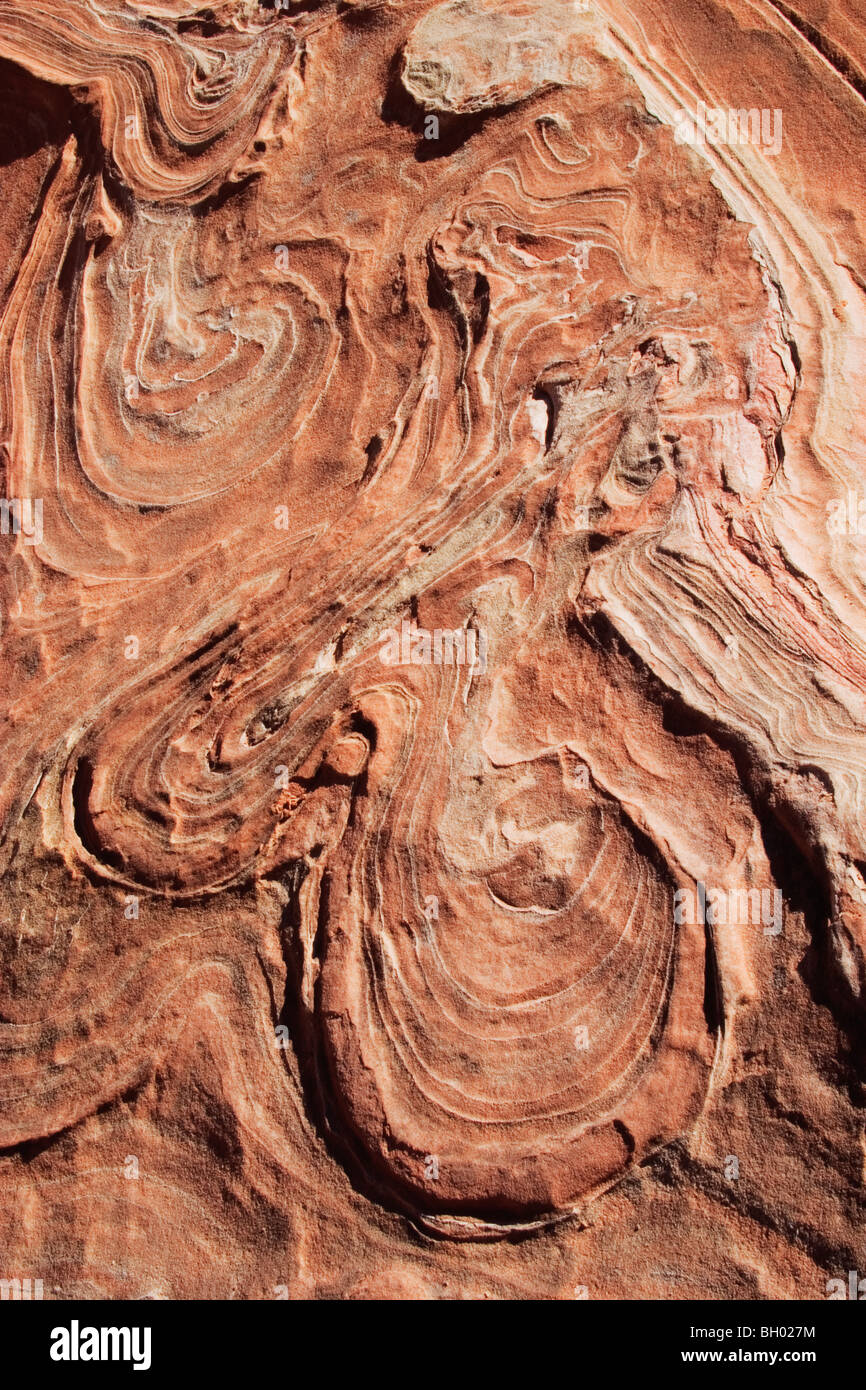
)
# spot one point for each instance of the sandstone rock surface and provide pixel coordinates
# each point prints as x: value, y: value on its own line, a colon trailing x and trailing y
x: 433, y: 645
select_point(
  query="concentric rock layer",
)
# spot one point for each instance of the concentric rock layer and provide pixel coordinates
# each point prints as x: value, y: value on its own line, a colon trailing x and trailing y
x: 434, y: 648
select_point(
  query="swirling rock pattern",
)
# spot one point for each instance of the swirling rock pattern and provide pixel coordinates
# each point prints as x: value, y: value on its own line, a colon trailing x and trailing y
x: 434, y: 645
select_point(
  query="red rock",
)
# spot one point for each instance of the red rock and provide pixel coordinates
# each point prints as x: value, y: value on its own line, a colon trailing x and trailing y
x: 433, y: 645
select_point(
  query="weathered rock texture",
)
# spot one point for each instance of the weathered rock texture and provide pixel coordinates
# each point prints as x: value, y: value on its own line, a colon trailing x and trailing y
x: 333, y: 963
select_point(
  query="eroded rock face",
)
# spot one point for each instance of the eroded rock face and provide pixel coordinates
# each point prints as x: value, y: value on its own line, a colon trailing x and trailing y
x: 433, y: 640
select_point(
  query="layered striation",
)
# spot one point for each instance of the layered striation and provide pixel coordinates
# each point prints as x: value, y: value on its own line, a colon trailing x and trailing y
x: 433, y: 643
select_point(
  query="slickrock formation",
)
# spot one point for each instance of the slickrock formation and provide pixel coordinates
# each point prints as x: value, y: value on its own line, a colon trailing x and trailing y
x: 434, y: 648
